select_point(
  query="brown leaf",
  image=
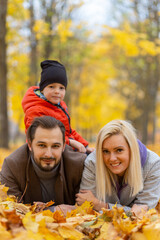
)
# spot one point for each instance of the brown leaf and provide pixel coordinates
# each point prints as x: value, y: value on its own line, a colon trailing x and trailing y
x: 58, y: 217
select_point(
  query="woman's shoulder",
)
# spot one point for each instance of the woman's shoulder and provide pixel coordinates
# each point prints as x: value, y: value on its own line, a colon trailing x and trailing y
x: 91, y: 158
x: 152, y: 157
x: 152, y: 161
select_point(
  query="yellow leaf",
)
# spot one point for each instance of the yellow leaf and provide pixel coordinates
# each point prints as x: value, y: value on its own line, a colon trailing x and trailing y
x: 3, y: 192
x: 47, y: 233
x: 70, y: 233
x: 107, y: 232
x: 5, y: 235
x: 138, y: 236
x: 152, y: 231
x: 29, y: 223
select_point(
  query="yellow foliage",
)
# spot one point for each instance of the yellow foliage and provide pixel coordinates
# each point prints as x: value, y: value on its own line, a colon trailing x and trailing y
x: 64, y: 30
x: 15, y: 9
x: 41, y: 28
x: 147, y: 47
x: 112, y: 224
x: 125, y: 40
x: 3, y: 154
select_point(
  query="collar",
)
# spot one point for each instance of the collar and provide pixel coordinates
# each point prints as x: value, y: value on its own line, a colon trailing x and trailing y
x: 143, y: 152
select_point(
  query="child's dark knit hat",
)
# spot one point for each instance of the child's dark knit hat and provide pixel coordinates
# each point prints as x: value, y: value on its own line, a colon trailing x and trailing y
x: 52, y: 72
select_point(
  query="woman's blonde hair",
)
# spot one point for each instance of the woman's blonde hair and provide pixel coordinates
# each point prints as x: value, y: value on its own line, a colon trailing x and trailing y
x: 133, y: 175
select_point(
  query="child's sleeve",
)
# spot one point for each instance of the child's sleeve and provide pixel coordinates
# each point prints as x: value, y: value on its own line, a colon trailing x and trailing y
x: 79, y: 138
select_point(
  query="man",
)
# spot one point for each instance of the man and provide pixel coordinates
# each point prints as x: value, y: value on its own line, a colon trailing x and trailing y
x: 44, y: 169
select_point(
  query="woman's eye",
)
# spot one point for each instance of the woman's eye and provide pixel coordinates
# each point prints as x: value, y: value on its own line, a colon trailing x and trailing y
x: 119, y: 150
x: 105, y: 151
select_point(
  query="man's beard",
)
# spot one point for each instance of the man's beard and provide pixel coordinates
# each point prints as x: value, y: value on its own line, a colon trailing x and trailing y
x: 47, y: 167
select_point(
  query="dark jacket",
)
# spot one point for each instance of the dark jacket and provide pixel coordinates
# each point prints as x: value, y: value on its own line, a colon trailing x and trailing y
x: 19, y: 175
x: 34, y: 106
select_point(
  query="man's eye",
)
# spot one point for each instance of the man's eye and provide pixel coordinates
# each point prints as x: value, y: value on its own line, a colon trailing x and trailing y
x: 41, y: 145
x: 56, y: 146
x: 62, y: 88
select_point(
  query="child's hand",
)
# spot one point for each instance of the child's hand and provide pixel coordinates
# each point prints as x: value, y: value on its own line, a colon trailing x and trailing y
x: 79, y: 146
x: 89, y: 149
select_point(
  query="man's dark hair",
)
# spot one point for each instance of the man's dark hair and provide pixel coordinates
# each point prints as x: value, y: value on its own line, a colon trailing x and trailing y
x: 45, y: 122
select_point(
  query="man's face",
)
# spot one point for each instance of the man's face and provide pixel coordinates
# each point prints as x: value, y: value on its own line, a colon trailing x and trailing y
x: 47, y: 147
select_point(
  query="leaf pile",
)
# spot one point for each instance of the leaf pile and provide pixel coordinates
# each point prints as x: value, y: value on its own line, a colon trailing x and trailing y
x: 19, y: 221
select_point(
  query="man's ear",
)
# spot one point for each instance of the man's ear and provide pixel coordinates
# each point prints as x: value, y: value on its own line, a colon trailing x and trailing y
x: 29, y: 145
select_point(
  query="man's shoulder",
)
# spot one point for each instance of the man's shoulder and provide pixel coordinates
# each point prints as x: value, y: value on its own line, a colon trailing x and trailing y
x: 19, y: 155
x: 73, y: 158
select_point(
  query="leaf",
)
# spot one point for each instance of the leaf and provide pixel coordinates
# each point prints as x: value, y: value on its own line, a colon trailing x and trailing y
x: 5, y: 235
x: 58, y: 217
x: 29, y: 223
x: 138, y: 236
x: 3, y: 192
x: 40, y: 206
x: 86, y: 208
x: 107, y: 232
x: 152, y: 231
x: 70, y: 233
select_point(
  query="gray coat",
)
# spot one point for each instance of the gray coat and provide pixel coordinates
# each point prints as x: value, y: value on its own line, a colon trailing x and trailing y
x: 151, y: 183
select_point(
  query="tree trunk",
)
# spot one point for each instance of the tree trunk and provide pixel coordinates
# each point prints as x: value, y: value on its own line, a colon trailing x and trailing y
x: 33, y: 74
x: 3, y: 77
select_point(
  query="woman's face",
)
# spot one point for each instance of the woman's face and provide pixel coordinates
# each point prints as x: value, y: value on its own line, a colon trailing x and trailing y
x: 116, y: 154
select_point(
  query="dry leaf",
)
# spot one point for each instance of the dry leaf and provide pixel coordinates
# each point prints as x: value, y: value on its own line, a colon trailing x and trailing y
x: 70, y: 233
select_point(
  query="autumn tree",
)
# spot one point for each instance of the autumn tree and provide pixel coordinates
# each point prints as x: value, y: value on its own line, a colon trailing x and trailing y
x: 137, y: 61
x: 3, y: 77
x: 33, y: 71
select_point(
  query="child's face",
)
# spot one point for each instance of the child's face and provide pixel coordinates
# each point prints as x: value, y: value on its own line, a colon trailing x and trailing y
x: 54, y: 92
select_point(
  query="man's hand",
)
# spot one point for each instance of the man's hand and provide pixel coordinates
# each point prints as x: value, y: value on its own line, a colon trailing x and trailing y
x: 79, y: 146
x: 64, y: 208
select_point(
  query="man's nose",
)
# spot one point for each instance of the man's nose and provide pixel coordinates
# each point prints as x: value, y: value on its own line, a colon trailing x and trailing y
x: 48, y: 152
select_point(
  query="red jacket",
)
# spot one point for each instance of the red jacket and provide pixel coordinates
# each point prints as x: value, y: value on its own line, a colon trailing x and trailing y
x: 34, y: 106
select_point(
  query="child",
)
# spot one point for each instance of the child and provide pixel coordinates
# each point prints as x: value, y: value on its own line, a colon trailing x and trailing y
x: 47, y: 99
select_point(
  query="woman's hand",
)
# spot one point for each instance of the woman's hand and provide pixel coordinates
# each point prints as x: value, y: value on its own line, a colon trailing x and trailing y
x: 139, y: 210
x: 79, y: 146
x: 87, y: 195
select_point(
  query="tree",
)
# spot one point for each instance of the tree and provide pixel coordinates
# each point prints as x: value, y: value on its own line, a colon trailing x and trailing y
x: 3, y: 77
x: 141, y: 20
x: 33, y: 73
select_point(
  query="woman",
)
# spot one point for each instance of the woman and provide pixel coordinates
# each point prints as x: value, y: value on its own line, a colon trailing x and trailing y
x: 115, y: 173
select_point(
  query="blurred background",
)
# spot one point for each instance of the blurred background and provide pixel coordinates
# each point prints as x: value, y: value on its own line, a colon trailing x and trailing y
x: 111, y: 51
